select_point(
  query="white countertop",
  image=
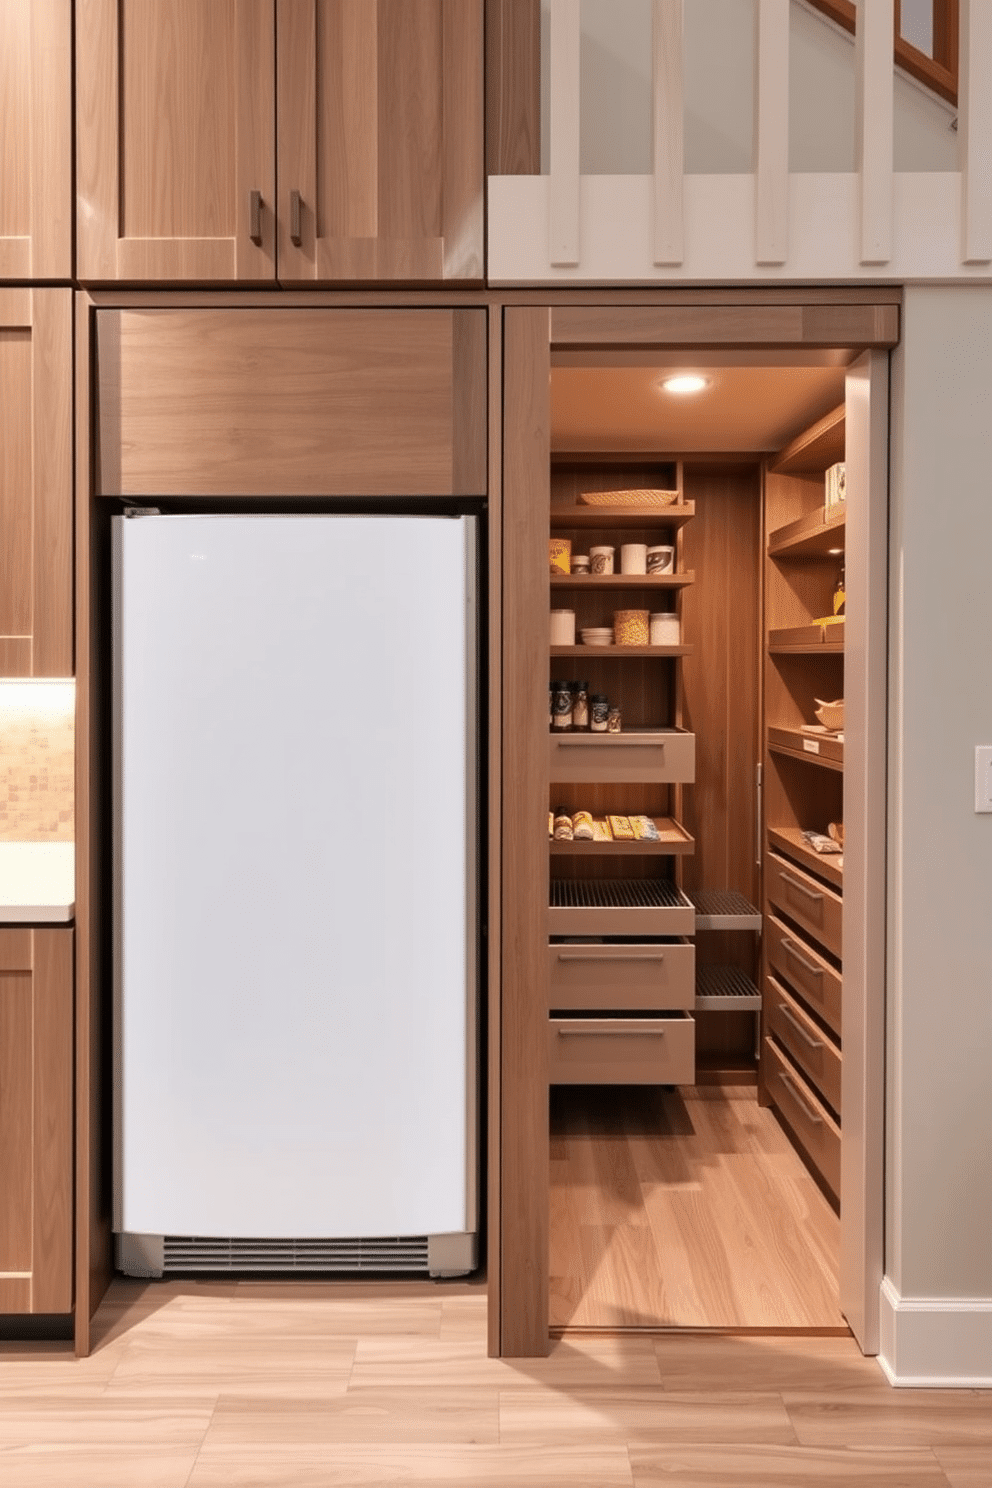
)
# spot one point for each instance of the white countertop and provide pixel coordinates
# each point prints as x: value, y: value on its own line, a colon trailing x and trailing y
x: 37, y: 882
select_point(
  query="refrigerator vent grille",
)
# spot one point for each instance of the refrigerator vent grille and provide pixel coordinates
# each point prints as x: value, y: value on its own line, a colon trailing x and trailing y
x: 193, y: 1253
x: 616, y: 893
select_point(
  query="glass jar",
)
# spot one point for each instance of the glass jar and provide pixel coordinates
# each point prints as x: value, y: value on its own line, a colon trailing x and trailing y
x: 562, y: 713
x: 580, y: 705
x: 614, y: 723
x: 599, y: 712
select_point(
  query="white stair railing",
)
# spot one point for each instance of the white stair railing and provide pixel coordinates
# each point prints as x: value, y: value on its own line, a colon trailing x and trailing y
x: 670, y: 223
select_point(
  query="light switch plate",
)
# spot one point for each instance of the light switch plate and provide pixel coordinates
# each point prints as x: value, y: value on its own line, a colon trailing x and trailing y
x: 983, y: 777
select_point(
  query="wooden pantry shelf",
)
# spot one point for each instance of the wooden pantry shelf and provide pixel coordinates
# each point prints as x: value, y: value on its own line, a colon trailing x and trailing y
x: 623, y: 581
x: 812, y: 536
x: 674, y: 840
x: 807, y: 640
x: 594, y: 651
x: 606, y: 518
x: 817, y: 749
x: 815, y: 448
x: 790, y: 841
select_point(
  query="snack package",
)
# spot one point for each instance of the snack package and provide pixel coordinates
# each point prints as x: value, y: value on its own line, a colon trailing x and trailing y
x: 563, y: 827
x: 821, y: 843
x: 582, y: 826
x: 644, y: 829
x: 601, y: 831
x: 621, y: 829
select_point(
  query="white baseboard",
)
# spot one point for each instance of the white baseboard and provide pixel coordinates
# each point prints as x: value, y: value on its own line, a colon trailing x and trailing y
x: 936, y: 1342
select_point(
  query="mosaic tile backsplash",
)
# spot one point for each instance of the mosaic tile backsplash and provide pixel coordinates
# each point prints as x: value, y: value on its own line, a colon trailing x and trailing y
x: 36, y: 762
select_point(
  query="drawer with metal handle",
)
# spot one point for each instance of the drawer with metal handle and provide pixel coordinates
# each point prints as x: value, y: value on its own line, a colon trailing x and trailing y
x: 635, y: 757
x: 804, y: 899
x: 817, y: 1055
x: 808, y: 974
x: 652, y: 976
x: 622, y: 1051
x: 807, y: 1118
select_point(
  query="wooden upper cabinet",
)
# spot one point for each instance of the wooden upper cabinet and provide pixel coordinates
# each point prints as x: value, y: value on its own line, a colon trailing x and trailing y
x: 35, y: 139
x: 175, y: 132
x: 380, y: 140
x: 294, y: 401
x: 35, y: 483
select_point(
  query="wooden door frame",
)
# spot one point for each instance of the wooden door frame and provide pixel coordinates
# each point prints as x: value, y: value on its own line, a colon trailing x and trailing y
x: 737, y: 320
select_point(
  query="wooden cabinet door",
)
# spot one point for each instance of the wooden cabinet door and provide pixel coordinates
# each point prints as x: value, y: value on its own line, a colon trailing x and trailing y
x: 35, y: 1120
x: 35, y: 139
x: 294, y: 401
x: 380, y: 138
x: 35, y: 483
x: 175, y: 132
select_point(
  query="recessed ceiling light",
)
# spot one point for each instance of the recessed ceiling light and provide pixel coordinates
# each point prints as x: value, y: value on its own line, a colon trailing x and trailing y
x: 685, y: 382
x: 835, y: 552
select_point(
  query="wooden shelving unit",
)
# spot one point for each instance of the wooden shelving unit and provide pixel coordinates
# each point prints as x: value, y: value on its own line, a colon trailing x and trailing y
x: 790, y: 842
x: 816, y: 749
x: 592, y: 653
x: 622, y: 518
x: 673, y: 840
x: 622, y: 581
x: 818, y: 535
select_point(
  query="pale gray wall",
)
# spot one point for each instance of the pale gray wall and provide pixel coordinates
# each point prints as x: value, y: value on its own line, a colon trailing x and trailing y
x: 939, y: 1146
x: 719, y: 102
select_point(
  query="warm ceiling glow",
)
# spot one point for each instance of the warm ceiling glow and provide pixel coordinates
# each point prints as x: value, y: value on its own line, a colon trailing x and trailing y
x: 685, y: 382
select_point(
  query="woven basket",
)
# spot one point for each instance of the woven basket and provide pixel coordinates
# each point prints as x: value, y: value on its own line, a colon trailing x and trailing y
x: 628, y: 498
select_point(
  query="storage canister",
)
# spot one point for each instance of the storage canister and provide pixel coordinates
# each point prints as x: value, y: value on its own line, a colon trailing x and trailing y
x: 580, y: 705
x: 560, y: 554
x: 630, y: 627
x: 580, y: 563
x: 601, y: 559
x: 599, y: 712
x: 562, y: 710
x: 563, y: 627
x: 666, y: 629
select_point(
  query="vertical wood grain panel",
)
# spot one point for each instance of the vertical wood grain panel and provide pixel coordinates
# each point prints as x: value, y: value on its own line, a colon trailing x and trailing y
x: 35, y: 139
x: 667, y: 79
x: 524, y: 1146
x: 16, y: 480
x: 300, y: 129
x: 493, y: 1150
x: 513, y: 88
x: 468, y: 402
x: 874, y: 83
x: 97, y: 110
x: 975, y: 125
x: 462, y: 144
x: 347, y: 95
x: 52, y: 436
x: 411, y: 55
x: 564, y: 183
x: 15, y: 140
x: 51, y: 1282
x: 771, y: 184
x: 16, y: 1121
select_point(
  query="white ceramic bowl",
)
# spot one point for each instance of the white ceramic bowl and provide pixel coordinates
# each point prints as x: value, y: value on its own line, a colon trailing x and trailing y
x: 597, y: 636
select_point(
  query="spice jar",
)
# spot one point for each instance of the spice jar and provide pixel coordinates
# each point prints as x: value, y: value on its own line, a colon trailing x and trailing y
x: 562, y: 714
x: 614, y: 724
x: 599, y: 712
x: 580, y: 705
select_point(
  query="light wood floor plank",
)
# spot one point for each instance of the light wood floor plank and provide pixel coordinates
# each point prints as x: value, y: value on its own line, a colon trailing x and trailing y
x: 637, y: 1415
x: 378, y: 1466
x: 745, y: 1466
x: 390, y: 1364
x: 412, y: 1415
x: 178, y: 1366
x: 99, y: 1467
x: 902, y: 1418
x: 700, y: 1362
x: 965, y: 1467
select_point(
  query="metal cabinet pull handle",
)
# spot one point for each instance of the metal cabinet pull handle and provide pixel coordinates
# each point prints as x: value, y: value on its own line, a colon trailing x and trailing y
x: 795, y: 884
x: 611, y: 1032
x: 812, y: 1115
x: 790, y: 949
x: 295, y: 206
x: 638, y: 956
x: 255, y: 216
x: 794, y: 1022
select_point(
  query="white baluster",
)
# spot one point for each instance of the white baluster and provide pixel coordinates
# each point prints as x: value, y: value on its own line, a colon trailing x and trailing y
x: 563, y: 185
x: 771, y: 175
x: 873, y: 52
x: 667, y: 73
x: 975, y: 130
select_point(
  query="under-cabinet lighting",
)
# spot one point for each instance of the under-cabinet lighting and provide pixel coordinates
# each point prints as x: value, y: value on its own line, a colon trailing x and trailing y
x: 835, y: 552
x: 685, y: 382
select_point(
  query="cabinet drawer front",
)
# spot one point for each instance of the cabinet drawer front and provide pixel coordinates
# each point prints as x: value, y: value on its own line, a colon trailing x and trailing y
x: 806, y: 1117
x: 291, y: 402
x: 805, y: 970
x: 810, y: 903
x: 622, y: 1051
x: 15, y: 950
x: 667, y: 755
x: 624, y: 977
x: 817, y: 1055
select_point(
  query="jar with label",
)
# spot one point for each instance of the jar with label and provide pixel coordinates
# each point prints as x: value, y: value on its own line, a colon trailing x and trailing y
x: 599, y: 712
x: 562, y: 715
x: 580, y: 705
x: 614, y: 724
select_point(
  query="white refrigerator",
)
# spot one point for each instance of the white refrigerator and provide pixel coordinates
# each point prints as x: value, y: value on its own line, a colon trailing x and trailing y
x: 295, y: 915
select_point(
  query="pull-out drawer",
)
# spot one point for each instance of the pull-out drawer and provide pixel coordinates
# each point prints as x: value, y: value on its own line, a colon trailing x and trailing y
x: 817, y: 1056
x: 805, y: 970
x: 633, y: 758
x: 807, y: 901
x: 622, y: 1051
x: 623, y: 978
x: 807, y: 1117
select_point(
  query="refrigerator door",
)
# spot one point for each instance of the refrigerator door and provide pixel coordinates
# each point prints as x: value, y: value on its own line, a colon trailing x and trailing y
x: 295, y: 931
